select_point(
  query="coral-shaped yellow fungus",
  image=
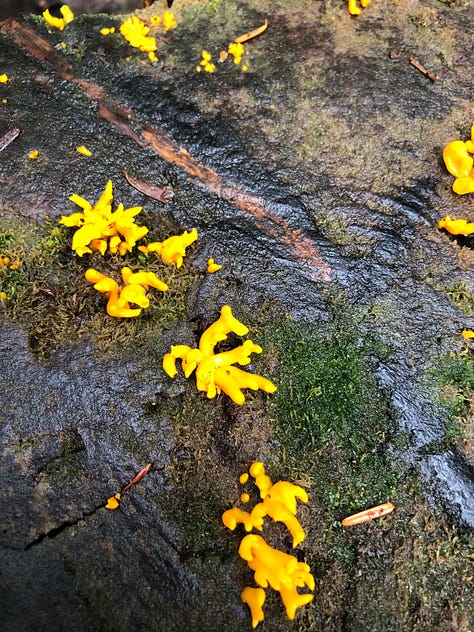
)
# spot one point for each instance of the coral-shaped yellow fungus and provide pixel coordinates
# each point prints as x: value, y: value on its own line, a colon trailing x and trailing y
x: 254, y: 598
x: 272, y: 567
x: 279, y: 570
x: 173, y: 249
x: 215, y: 371
x: 354, y: 9
x: 456, y: 226
x: 135, y: 31
x: 279, y: 503
x: 457, y: 156
x: 236, y: 50
x: 134, y: 291
x: 59, y: 23
x: 168, y: 20
x: 100, y: 228
x: 107, y: 30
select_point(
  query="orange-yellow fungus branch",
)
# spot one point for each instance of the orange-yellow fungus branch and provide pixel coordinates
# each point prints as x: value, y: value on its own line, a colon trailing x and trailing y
x: 215, y: 371
x: 457, y: 156
x: 456, y: 226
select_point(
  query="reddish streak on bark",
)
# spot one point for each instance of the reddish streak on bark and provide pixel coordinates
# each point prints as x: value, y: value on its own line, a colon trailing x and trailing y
x: 273, y: 225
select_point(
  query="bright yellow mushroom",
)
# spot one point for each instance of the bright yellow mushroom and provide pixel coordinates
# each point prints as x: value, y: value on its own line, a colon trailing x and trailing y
x: 460, y: 163
x: 254, y: 598
x: 172, y: 250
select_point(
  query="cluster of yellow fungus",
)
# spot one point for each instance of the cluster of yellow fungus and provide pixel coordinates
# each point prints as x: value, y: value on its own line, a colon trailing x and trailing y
x: 59, y: 23
x: 205, y: 63
x: 5, y: 261
x: 173, y: 249
x: 34, y: 153
x: 272, y: 567
x: 353, y: 7
x: 3, y: 78
x: 215, y: 371
x: 136, y: 32
x: 134, y: 291
x: 457, y: 156
x: 100, y: 228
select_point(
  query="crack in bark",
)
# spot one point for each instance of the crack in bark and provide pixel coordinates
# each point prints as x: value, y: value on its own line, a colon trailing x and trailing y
x: 52, y: 533
x: 275, y: 226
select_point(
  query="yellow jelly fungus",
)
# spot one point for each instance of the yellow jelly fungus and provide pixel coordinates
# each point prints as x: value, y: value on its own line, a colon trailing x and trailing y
x: 83, y: 150
x: 152, y: 57
x: 136, y: 33
x: 134, y: 291
x: 214, y: 371
x: 354, y: 9
x: 168, y: 20
x: 155, y: 19
x: 107, y: 31
x: 243, y: 478
x: 205, y: 62
x: 254, y: 598
x: 33, y: 154
x: 456, y: 226
x: 460, y: 163
x: 236, y: 50
x: 244, y: 497
x: 467, y: 333
x: 212, y: 266
x: 173, y: 249
x: 3, y: 295
x: 279, y: 570
x: 15, y: 265
x: 4, y: 261
x: 59, y: 23
x: 4, y: 100
x: 113, y: 502
x: 3, y: 78
x: 100, y: 228
x: 279, y: 503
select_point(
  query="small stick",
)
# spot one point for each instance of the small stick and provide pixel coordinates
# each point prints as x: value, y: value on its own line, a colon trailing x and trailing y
x: 368, y: 514
x: 422, y: 69
x: 138, y: 477
x: 251, y: 34
x: 8, y: 138
x: 163, y: 195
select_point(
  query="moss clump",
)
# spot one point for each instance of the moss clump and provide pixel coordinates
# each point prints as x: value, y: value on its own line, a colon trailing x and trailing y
x: 331, y: 416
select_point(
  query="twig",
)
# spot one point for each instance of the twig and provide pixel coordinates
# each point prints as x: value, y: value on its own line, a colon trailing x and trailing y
x: 8, y: 138
x: 422, y: 69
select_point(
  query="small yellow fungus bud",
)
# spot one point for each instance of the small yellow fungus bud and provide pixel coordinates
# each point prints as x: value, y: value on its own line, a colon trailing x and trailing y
x: 4, y: 100
x: 155, y: 19
x: 243, y: 478
x: 34, y: 153
x: 254, y: 598
x: 244, y: 497
x: 83, y: 150
x: 113, y: 502
x: 467, y: 333
x: 168, y: 20
x: 107, y: 31
x: 456, y: 226
x: 152, y: 57
x: 4, y: 261
x: 212, y: 266
x: 464, y: 185
x: 15, y: 265
x: 3, y: 295
x: 4, y: 78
